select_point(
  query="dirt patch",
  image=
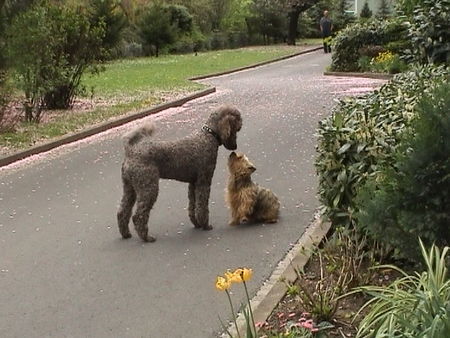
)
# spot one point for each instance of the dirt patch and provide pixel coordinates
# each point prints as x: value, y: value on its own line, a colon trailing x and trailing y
x: 321, y: 283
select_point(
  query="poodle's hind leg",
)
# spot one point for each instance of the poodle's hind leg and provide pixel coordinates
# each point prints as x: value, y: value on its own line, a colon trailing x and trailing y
x: 147, y: 194
x: 191, y: 206
x: 125, y: 209
x: 202, y: 191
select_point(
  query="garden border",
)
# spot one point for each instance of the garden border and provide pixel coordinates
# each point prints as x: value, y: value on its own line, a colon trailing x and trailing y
x: 381, y: 76
x: 274, y: 288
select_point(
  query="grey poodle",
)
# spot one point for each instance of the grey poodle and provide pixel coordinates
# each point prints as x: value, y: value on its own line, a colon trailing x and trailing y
x: 191, y: 160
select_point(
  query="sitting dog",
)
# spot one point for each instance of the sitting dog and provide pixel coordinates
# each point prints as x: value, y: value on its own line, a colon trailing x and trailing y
x: 191, y: 160
x: 248, y: 201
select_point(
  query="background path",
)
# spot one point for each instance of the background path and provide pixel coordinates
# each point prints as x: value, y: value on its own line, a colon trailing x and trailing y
x: 65, y: 271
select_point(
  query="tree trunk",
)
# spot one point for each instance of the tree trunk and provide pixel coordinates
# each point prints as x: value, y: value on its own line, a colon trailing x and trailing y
x: 293, y: 25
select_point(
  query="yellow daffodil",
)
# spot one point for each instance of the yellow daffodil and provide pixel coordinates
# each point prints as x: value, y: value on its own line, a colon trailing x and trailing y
x: 243, y: 273
x: 222, y: 283
x: 246, y: 274
x: 233, y: 277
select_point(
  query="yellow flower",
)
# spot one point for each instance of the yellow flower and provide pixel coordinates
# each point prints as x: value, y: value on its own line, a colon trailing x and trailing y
x: 246, y: 274
x: 243, y: 273
x: 233, y: 277
x: 222, y: 284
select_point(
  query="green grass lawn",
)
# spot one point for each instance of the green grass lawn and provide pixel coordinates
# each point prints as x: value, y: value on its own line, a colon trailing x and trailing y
x: 132, y: 84
x: 171, y: 72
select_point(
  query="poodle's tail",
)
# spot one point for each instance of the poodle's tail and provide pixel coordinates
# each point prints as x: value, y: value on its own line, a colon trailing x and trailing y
x: 138, y: 134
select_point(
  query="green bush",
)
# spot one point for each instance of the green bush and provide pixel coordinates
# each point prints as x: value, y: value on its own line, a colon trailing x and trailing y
x: 415, y: 305
x: 60, y: 46
x: 429, y: 32
x: 362, y: 134
x: 410, y: 198
x: 354, y: 41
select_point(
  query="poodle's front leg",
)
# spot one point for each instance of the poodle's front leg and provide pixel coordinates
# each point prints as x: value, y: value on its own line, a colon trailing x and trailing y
x: 202, y: 191
x: 191, y: 206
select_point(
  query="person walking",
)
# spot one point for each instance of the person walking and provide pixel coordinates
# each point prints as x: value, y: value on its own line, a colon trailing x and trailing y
x: 326, y: 26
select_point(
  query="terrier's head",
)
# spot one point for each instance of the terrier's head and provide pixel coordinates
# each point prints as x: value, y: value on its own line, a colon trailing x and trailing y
x: 239, y: 165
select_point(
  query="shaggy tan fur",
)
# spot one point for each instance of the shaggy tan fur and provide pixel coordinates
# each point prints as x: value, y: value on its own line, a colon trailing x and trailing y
x: 248, y: 201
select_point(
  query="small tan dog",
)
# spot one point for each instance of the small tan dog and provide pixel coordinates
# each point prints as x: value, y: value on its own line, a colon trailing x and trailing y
x: 248, y: 201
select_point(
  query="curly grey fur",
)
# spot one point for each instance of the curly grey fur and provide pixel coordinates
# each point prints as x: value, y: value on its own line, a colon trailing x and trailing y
x: 191, y: 160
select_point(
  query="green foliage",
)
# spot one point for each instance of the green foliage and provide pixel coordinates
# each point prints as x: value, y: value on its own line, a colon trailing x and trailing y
x: 383, y: 10
x: 407, y: 7
x: 181, y: 18
x: 429, y: 32
x: 268, y: 20
x: 366, y: 12
x: 168, y: 26
x: 109, y: 13
x: 350, y: 43
x: 156, y: 27
x: 410, y: 198
x: 61, y: 45
x: 387, y: 62
x: 340, y: 262
x: 362, y: 134
x: 413, y: 306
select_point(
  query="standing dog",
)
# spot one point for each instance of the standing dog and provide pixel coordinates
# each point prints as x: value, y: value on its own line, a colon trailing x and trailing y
x: 248, y: 201
x: 191, y: 160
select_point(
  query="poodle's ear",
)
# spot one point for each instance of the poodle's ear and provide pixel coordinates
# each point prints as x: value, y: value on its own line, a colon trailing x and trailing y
x: 225, y: 127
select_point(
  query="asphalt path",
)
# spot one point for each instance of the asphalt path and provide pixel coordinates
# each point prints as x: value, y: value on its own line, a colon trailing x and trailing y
x: 66, y: 272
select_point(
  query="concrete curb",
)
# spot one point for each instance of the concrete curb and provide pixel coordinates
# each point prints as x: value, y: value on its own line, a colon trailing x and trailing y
x: 274, y: 289
x: 255, y: 65
x: 380, y: 76
x: 101, y: 127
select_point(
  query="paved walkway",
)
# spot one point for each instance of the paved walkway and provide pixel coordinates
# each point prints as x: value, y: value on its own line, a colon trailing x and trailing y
x: 65, y: 271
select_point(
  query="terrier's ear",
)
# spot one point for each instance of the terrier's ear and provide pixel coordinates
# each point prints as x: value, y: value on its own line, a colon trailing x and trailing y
x: 233, y: 154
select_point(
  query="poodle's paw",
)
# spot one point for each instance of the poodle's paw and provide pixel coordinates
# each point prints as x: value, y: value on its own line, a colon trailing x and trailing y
x: 126, y: 235
x: 207, y: 227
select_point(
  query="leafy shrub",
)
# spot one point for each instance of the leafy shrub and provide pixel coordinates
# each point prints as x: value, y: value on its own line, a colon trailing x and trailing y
x: 413, y: 306
x: 429, y: 32
x: 411, y: 197
x: 371, y: 50
x: 60, y: 46
x: 360, y: 38
x: 362, y: 134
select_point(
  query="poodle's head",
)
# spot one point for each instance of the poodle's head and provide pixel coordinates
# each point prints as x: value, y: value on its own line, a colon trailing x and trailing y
x: 227, y: 121
x: 239, y: 165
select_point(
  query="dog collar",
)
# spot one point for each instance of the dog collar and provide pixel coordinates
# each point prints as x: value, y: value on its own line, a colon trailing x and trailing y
x: 212, y: 132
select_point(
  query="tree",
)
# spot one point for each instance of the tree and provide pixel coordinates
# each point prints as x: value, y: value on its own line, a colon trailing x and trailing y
x: 156, y: 28
x: 112, y: 16
x: 384, y: 10
x: 366, y: 13
x: 268, y: 20
x: 295, y: 7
